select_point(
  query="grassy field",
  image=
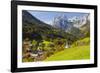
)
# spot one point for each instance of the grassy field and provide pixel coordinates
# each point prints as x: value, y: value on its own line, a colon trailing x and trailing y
x: 76, y: 52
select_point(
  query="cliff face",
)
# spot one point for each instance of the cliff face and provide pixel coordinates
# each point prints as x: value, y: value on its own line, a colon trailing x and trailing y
x: 62, y: 23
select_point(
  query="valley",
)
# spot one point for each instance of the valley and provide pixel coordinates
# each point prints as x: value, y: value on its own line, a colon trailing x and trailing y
x: 59, y: 41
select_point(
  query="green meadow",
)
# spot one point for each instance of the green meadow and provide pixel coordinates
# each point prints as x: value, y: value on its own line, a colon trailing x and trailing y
x: 73, y: 53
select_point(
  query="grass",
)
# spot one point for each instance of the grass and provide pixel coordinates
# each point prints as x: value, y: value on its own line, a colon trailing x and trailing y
x: 46, y: 43
x: 85, y: 41
x: 74, y: 53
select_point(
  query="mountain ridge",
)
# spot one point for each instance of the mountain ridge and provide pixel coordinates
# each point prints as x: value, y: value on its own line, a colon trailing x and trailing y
x: 32, y: 25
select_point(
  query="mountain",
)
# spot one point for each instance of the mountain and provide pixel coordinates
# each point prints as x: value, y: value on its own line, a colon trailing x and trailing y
x: 85, y: 29
x: 67, y: 25
x: 77, y: 26
x: 28, y: 19
x: 33, y: 27
x: 79, y: 21
x: 62, y: 23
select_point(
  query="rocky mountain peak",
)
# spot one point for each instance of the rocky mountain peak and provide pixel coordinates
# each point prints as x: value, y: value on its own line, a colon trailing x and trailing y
x: 62, y: 23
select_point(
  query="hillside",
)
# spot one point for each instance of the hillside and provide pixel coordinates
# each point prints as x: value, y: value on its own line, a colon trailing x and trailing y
x: 33, y: 28
x: 32, y: 25
x: 76, y: 52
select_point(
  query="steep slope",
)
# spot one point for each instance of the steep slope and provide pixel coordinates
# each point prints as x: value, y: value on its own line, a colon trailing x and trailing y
x: 85, y: 29
x: 69, y: 25
x: 62, y: 23
x: 27, y: 17
x: 33, y: 27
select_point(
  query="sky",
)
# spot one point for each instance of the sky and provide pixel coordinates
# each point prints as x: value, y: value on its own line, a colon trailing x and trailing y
x: 48, y: 16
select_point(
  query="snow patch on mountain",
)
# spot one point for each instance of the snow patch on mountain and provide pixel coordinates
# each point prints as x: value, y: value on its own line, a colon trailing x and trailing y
x: 79, y: 21
x: 67, y: 24
x: 62, y: 23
